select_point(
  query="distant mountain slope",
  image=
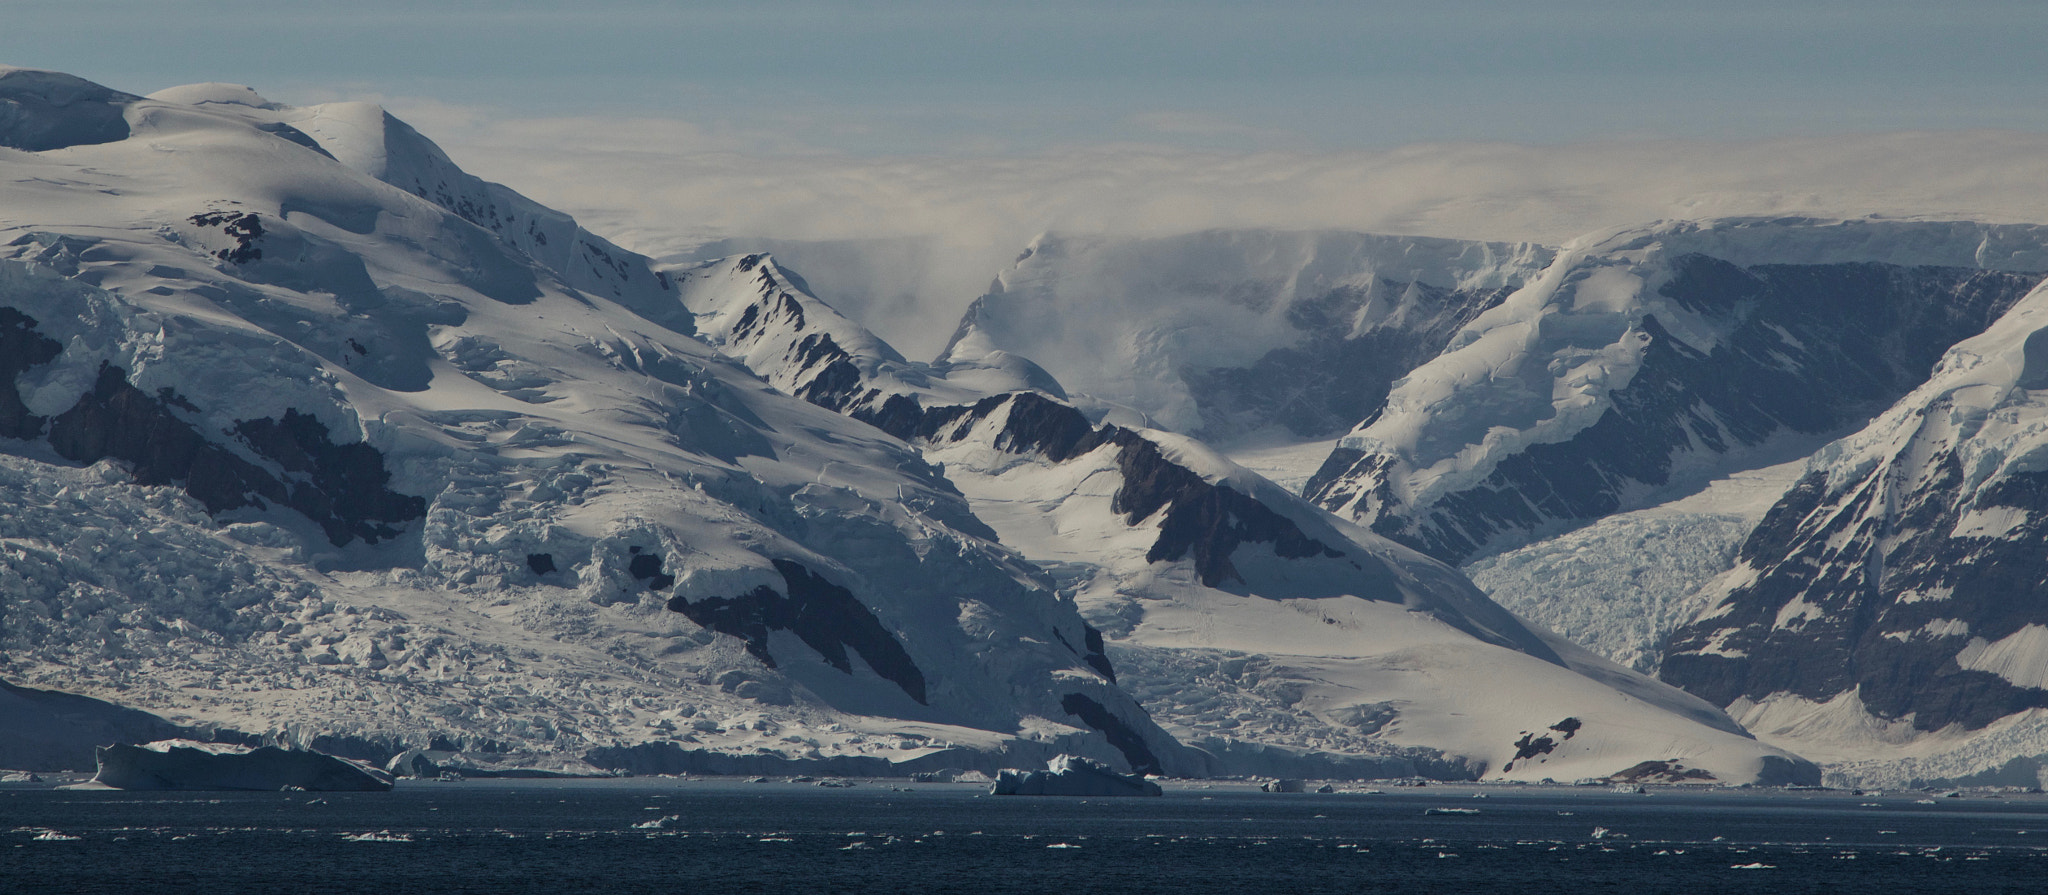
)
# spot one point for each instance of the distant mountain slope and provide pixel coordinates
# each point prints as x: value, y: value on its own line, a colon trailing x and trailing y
x: 1641, y: 365
x: 1274, y: 636
x: 1890, y: 608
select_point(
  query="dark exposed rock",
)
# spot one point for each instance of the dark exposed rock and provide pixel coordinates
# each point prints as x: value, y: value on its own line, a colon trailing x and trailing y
x: 1531, y: 745
x: 1121, y: 735
x: 1203, y: 520
x: 647, y: 567
x: 1807, y: 349
x: 827, y: 617
x: 1206, y: 521
x: 342, y: 487
x: 1860, y: 559
x: 119, y: 421
x: 1096, y: 657
x: 243, y: 226
x: 21, y: 348
x: 1300, y: 386
x: 292, y: 134
x: 1660, y: 772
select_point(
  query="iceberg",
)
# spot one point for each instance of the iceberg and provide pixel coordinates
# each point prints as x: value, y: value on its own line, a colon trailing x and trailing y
x: 1072, y: 775
x: 191, y: 765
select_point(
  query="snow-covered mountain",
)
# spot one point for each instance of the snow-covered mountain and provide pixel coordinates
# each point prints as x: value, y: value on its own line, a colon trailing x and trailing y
x: 1614, y: 432
x: 1891, y: 610
x: 1233, y: 334
x: 1644, y: 363
x: 304, y: 432
x: 1255, y: 625
x: 307, y: 433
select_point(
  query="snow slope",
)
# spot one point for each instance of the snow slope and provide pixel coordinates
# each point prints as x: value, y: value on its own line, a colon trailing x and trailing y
x: 1888, y: 611
x: 1272, y: 635
x: 1643, y: 363
x: 308, y: 434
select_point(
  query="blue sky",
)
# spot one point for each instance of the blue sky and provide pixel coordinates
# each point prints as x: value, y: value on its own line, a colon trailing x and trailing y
x: 982, y: 78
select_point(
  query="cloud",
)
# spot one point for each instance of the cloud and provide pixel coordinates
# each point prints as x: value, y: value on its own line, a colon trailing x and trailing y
x: 665, y: 186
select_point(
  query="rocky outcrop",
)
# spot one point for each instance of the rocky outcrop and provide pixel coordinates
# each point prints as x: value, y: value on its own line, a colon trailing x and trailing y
x: 1903, y: 577
x: 342, y: 487
x: 826, y: 617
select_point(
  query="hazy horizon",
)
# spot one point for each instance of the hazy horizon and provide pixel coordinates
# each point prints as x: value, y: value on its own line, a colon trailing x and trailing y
x: 960, y: 130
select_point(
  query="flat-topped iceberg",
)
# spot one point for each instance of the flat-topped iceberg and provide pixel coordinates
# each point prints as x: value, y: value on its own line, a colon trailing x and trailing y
x: 190, y: 765
x: 1071, y: 775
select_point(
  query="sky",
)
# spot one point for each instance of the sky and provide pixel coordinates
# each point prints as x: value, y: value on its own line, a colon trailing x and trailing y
x: 960, y: 129
x: 967, y: 77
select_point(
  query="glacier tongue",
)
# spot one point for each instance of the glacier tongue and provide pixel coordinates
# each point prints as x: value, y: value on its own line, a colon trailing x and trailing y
x: 234, y: 325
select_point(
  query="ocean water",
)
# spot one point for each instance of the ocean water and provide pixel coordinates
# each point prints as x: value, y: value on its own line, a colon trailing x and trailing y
x: 722, y: 836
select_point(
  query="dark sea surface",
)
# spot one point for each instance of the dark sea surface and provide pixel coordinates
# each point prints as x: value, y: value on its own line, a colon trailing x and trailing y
x: 504, y: 836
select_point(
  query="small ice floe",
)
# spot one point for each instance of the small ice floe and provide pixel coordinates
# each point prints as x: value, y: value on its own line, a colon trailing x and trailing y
x: 657, y: 823
x: 1457, y: 811
x: 1753, y: 865
x: 379, y: 836
x: 54, y: 836
x: 1062, y: 845
x: 774, y: 839
x: 1605, y: 833
x: 1923, y: 801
